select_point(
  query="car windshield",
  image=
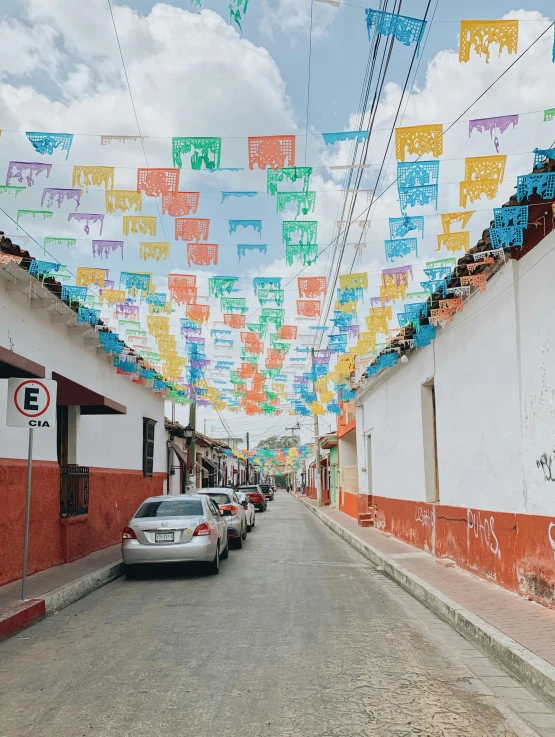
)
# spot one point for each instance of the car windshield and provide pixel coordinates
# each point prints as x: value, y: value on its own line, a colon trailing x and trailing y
x: 264, y: 486
x: 220, y: 498
x: 171, y: 508
x: 247, y: 488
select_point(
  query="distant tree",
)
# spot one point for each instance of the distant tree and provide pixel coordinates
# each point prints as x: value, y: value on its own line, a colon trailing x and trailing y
x: 279, y: 441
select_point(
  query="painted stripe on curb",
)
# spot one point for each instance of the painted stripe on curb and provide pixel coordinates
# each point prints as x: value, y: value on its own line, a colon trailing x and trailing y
x: 521, y: 662
x: 21, y: 617
x: 33, y: 610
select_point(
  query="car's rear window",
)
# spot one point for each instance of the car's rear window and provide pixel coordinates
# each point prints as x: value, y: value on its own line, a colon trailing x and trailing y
x: 220, y: 498
x: 172, y: 508
x: 247, y: 488
x: 264, y: 486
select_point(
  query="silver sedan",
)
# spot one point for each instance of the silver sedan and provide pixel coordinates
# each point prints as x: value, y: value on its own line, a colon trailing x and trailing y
x: 181, y: 529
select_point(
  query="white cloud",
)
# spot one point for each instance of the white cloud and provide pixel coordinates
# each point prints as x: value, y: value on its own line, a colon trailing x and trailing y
x: 449, y: 88
x: 292, y: 17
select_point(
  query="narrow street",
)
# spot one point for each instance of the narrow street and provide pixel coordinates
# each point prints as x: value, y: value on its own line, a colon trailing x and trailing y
x: 298, y: 636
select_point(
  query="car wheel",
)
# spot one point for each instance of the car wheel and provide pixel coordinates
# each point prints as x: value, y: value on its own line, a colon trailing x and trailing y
x: 239, y: 542
x: 249, y: 528
x: 214, y: 567
x: 244, y: 535
x: 261, y: 509
x: 253, y: 522
x: 131, y: 572
x: 225, y: 553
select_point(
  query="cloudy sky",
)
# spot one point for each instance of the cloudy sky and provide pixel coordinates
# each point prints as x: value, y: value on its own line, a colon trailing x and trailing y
x: 192, y: 73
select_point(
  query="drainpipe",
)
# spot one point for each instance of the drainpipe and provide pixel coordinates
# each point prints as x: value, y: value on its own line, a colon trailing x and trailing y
x: 168, y: 464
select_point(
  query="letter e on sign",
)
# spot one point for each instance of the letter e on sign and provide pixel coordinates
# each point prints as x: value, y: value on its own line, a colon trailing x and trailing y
x: 32, y: 403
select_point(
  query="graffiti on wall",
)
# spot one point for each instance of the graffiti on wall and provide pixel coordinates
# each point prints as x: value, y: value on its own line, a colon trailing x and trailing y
x: 425, y: 517
x: 545, y: 462
x: 482, y: 529
x: 379, y: 521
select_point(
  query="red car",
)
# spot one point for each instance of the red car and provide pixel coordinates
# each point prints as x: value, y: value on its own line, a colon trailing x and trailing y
x: 255, y: 494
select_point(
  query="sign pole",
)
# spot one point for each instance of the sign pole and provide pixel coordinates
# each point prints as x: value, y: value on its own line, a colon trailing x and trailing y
x: 27, y: 515
x: 32, y: 405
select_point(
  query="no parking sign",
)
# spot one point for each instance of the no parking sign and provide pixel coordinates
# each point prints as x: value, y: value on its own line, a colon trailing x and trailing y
x: 31, y: 403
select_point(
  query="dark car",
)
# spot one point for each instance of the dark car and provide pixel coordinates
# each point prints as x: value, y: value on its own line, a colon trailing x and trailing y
x: 268, y: 491
x: 256, y: 496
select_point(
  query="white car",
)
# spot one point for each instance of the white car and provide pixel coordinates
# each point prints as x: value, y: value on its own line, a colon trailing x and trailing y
x: 233, y: 511
x: 250, y: 509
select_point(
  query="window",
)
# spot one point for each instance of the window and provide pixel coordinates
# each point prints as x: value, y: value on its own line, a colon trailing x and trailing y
x: 220, y: 498
x: 429, y: 435
x: 369, y: 464
x: 214, y: 509
x: 171, y: 508
x: 148, y: 446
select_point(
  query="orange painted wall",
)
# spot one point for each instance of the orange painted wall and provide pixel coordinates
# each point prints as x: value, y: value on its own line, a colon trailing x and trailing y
x: 53, y: 540
x: 516, y: 551
x: 348, y: 503
x: 407, y: 520
x: 347, y: 420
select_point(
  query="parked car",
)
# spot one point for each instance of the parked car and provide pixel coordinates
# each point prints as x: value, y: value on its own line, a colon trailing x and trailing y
x: 255, y: 494
x: 233, y: 511
x: 250, y: 510
x: 182, y: 529
x: 268, y: 491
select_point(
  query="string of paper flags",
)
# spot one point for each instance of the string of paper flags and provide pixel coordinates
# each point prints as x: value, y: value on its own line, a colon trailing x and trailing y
x: 252, y: 367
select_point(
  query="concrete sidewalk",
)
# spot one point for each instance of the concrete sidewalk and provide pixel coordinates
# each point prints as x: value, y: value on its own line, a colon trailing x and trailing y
x: 517, y: 632
x: 55, y: 588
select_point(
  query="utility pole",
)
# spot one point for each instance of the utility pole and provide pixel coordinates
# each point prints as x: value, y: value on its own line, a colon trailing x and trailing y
x: 248, y: 480
x: 292, y: 474
x: 192, y: 447
x: 317, y: 441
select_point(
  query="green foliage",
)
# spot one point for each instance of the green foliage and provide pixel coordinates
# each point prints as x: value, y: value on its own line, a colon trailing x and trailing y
x: 275, y: 442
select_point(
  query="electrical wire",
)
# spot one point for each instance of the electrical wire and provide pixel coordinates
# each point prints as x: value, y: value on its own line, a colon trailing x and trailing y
x: 308, y: 79
x: 500, y: 76
x: 136, y: 116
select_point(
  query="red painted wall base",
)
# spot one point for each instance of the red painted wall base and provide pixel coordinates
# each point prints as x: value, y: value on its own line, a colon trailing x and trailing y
x: 516, y: 551
x: 114, y: 496
x: 348, y: 503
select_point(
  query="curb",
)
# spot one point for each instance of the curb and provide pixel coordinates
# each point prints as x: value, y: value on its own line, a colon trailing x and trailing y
x: 32, y: 611
x: 518, y: 660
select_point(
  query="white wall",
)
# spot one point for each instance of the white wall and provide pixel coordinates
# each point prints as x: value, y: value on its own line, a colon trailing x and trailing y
x: 477, y: 403
x: 393, y: 417
x: 536, y: 361
x: 494, y: 374
x: 106, y: 441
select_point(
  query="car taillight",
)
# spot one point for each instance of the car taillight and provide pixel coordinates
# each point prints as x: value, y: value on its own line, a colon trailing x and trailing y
x: 202, y: 529
x: 231, y: 507
x: 128, y: 534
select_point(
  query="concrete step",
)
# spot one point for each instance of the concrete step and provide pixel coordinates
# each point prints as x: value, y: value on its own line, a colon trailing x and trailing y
x: 366, y: 519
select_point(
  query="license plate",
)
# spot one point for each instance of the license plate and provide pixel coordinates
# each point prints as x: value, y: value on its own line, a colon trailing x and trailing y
x: 163, y: 537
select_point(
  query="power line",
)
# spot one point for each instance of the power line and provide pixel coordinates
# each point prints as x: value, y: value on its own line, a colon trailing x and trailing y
x: 463, y: 113
x: 308, y: 79
x: 135, y: 114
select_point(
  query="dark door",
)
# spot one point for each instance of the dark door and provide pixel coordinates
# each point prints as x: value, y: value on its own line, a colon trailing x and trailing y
x: 62, y: 430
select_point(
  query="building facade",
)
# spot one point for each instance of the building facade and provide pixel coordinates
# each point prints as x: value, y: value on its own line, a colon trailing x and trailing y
x: 347, y: 458
x: 456, y: 446
x: 107, y: 452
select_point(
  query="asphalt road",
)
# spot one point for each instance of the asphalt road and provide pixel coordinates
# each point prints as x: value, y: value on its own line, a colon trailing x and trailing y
x: 299, y: 636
